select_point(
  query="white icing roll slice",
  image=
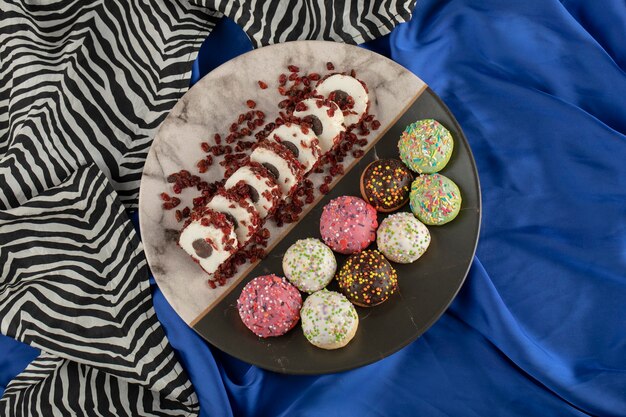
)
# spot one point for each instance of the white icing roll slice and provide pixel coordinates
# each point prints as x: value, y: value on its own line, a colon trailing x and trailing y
x: 239, y: 211
x: 304, y: 146
x: 325, y: 118
x: 264, y: 192
x: 280, y: 162
x: 341, y: 86
x: 209, y: 238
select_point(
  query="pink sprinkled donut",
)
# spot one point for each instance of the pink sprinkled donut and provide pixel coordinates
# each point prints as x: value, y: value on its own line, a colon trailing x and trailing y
x: 348, y: 224
x: 269, y: 306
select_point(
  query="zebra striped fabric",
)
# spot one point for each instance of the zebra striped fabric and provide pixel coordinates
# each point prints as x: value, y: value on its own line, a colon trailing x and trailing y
x: 89, y: 81
x: 83, y: 87
x: 52, y: 386
x: 75, y: 285
x: 274, y: 21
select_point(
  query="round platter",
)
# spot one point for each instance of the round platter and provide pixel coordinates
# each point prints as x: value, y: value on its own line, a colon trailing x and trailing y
x: 397, y: 98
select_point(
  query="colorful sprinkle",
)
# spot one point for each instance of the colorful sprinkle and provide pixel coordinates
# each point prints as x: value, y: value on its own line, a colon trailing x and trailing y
x: 435, y: 199
x: 329, y: 320
x: 348, y: 224
x: 309, y: 265
x: 367, y: 279
x: 426, y: 146
x: 402, y: 238
x: 269, y: 306
x: 385, y: 184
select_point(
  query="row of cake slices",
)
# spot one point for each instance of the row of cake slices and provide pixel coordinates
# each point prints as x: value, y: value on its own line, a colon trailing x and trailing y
x: 273, y: 170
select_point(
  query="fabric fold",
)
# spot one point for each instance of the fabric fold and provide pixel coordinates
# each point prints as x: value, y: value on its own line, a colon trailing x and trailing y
x: 354, y: 22
x: 74, y: 284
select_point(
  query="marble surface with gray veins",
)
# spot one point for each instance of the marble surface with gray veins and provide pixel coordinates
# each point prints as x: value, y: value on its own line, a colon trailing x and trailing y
x: 210, y: 107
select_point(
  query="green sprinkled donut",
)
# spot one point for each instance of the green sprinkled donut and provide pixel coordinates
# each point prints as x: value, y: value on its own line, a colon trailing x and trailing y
x: 435, y: 199
x: 425, y: 146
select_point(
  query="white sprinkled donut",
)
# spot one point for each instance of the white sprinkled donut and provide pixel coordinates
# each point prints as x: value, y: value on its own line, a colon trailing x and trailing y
x: 402, y: 238
x: 309, y: 265
x: 329, y: 320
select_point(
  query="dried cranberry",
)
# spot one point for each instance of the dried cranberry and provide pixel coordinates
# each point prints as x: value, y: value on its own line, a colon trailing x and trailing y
x: 358, y: 153
x: 314, y: 76
x: 251, y: 104
x: 198, y: 202
x: 165, y: 197
x: 262, y: 85
x: 330, y: 66
x: 293, y: 68
x: 375, y: 125
x: 282, y: 79
x: 202, y: 166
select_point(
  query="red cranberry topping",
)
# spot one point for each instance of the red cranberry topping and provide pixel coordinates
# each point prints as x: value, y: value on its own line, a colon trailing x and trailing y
x: 262, y: 85
x: 295, y: 166
x: 330, y: 66
x: 251, y: 104
x: 293, y: 68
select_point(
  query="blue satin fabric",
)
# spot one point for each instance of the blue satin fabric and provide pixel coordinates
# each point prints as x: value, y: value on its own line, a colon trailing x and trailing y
x: 539, y: 329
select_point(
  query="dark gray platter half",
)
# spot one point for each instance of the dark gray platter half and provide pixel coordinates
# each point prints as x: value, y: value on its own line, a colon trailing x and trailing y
x: 426, y: 287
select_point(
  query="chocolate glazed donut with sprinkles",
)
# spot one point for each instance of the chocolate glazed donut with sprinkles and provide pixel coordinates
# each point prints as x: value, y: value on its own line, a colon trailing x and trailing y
x: 386, y: 184
x: 367, y: 279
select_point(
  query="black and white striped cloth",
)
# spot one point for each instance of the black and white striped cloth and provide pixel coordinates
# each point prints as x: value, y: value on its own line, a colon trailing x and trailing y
x: 83, y: 87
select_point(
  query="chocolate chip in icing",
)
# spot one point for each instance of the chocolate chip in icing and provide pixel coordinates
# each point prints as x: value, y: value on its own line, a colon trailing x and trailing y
x: 254, y: 194
x: 231, y: 218
x: 292, y: 147
x: 203, y: 248
x: 316, y: 124
x: 272, y: 169
x: 340, y: 97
